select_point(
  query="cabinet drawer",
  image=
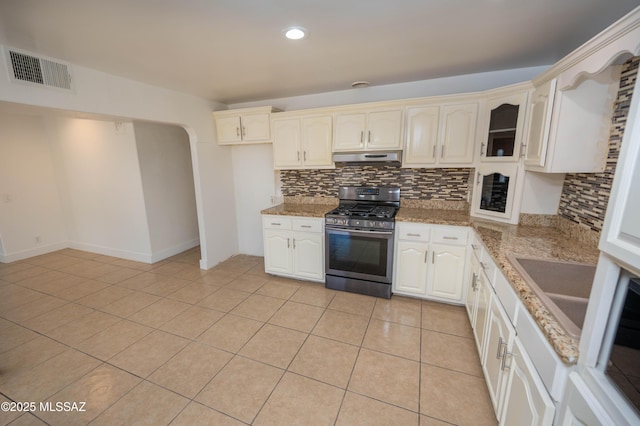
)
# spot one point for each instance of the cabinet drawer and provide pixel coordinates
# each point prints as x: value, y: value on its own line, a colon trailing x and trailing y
x: 307, y: 225
x: 413, y: 232
x: 476, y: 246
x: 276, y: 222
x: 453, y: 236
x: 507, y: 296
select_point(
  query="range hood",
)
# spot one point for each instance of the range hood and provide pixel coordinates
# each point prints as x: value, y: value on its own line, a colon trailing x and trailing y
x: 370, y: 158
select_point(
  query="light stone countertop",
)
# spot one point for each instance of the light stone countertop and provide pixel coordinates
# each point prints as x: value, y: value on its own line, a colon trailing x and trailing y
x: 298, y: 209
x: 500, y: 240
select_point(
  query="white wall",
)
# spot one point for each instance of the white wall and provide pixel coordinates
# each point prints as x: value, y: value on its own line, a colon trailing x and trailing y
x: 100, y: 93
x: 255, y: 185
x: 167, y: 184
x: 416, y: 89
x: 101, y: 185
x: 31, y: 217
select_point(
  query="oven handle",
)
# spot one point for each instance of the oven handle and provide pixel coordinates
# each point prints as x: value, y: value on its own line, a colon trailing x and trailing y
x: 356, y: 231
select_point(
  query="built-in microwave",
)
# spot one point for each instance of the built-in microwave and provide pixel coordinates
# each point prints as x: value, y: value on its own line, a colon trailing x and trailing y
x: 620, y: 355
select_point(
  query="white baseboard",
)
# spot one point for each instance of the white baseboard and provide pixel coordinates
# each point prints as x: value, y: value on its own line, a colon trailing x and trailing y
x: 172, y: 251
x: 36, y: 251
x: 92, y: 248
x: 107, y: 251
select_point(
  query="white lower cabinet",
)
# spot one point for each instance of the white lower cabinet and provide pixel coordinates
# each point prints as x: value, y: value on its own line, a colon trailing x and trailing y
x: 430, y: 261
x: 516, y: 389
x: 526, y: 401
x: 477, y: 303
x: 294, y: 247
x: 500, y: 335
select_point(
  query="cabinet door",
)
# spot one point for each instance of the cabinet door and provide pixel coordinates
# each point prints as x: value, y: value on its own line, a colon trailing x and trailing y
x: 277, y: 252
x: 504, y: 118
x: 447, y: 271
x: 495, y: 190
x: 384, y: 129
x: 471, y: 301
x: 482, y: 311
x: 286, y: 143
x: 540, y: 124
x: 308, y: 252
x: 526, y: 400
x: 422, y: 136
x: 411, y: 268
x: 458, y: 133
x: 228, y: 129
x: 255, y: 127
x: 500, y: 334
x: 316, y: 141
x: 349, y: 132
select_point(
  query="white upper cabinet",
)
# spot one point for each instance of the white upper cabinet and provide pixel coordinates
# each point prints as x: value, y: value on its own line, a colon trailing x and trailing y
x: 570, y: 123
x: 243, y: 126
x: 496, y: 191
x: 621, y: 230
x: 440, y: 135
x: 302, y: 142
x: 374, y: 130
x: 458, y: 133
x: 503, y: 127
x: 422, y: 136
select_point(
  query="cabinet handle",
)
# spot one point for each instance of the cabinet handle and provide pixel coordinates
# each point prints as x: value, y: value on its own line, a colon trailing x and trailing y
x: 425, y: 256
x: 442, y: 152
x: 369, y: 136
x: 305, y: 226
x: 501, y: 342
x: 474, y: 282
x: 433, y: 154
x: 244, y: 131
x: 288, y: 243
x: 409, y: 234
x: 361, y: 136
x: 477, y: 178
x: 238, y: 131
x: 449, y: 238
x: 433, y: 257
x: 474, y: 247
x: 483, y: 266
x: 298, y: 155
x: 276, y: 223
x: 482, y: 145
x: 503, y: 364
x: 294, y: 243
x: 304, y: 155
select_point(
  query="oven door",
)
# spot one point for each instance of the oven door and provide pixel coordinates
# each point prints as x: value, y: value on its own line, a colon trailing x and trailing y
x: 365, y: 255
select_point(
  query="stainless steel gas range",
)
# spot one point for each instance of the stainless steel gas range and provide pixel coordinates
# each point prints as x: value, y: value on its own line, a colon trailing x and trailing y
x: 359, y: 240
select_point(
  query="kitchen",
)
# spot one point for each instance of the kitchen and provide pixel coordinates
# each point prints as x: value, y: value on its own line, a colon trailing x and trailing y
x: 217, y: 167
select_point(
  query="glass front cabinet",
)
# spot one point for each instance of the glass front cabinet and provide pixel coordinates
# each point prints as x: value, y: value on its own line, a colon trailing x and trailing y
x: 495, y: 191
x: 504, y: 121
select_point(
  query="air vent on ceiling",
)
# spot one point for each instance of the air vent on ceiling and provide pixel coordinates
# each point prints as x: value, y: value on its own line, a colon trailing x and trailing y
x: 38, y: 70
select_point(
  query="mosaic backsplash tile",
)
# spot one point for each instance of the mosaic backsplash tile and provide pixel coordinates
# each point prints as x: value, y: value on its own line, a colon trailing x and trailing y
x: 417, y: 184
x: 585, y: 195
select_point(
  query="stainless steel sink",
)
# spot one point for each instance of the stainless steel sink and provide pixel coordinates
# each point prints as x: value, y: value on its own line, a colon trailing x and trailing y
x: 563, y: 287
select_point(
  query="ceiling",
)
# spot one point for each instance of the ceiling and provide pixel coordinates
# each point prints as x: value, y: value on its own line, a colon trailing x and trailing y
x: 233, y: 50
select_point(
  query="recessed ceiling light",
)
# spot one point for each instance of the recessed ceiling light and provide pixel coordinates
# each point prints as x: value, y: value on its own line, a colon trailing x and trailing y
x: 359, y: 84
x: 295, y: 33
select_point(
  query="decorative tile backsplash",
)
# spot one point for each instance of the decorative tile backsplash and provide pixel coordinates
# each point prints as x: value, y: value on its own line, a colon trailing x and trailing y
x: 585, y: 195
x: 416, y: 184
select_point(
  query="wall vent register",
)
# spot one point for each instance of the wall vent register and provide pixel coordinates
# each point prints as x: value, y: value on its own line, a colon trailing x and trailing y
x: 38, y: 70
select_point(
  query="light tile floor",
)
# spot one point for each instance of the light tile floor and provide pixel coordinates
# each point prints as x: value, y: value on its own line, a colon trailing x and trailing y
x: 171, y: 344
